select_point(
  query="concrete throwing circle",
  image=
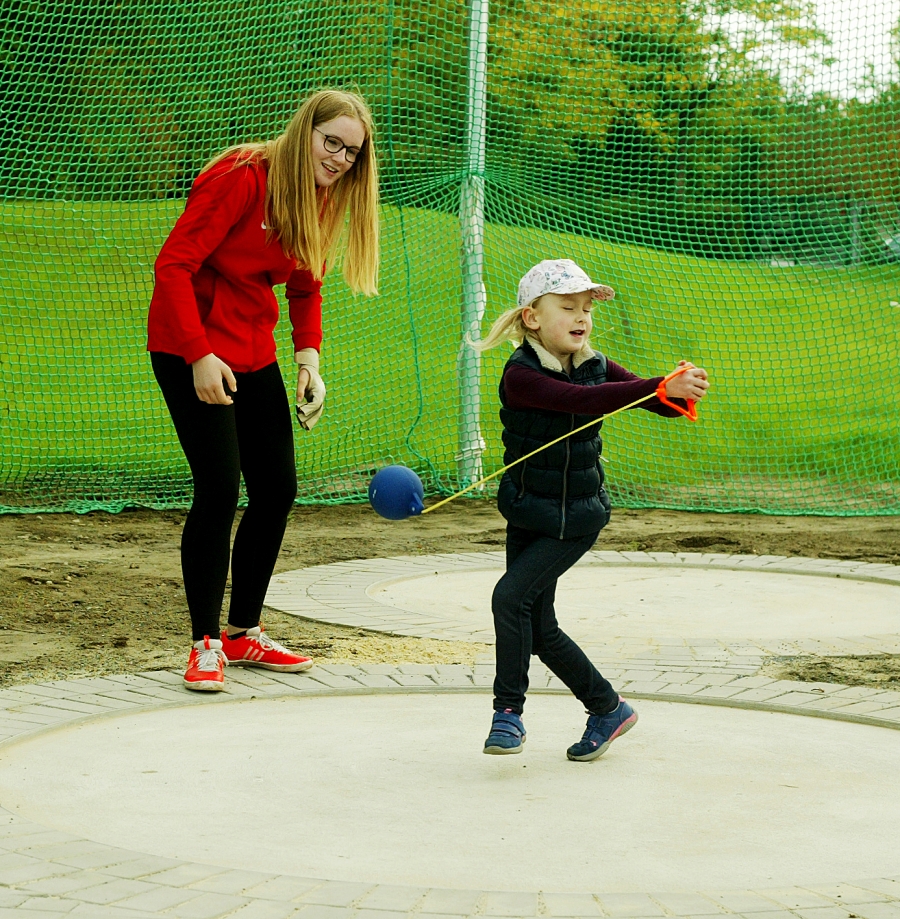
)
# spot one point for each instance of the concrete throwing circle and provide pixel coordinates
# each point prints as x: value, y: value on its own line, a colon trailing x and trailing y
x: 394, y: 789
x: 633, y: 604
x: 667, y: 603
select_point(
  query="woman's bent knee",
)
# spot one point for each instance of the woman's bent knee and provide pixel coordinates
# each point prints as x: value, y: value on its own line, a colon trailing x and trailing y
x: 275, y: 499
x: 219, y: 493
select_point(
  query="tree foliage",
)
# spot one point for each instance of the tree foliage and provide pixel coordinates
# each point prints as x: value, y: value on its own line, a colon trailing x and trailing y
x: 657, y: 109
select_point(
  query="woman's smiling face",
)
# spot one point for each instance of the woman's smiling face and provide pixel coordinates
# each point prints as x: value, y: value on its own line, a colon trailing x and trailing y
x: 328, y: 167
x: 563, y: 323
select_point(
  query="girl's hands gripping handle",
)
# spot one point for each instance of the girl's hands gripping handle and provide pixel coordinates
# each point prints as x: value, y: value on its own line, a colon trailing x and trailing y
x: 685, y: 382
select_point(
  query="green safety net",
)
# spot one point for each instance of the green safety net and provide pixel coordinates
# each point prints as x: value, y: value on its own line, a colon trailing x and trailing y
x: 730, y: 167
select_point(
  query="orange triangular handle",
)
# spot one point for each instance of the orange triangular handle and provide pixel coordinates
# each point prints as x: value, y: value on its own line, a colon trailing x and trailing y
x: 691, y: 411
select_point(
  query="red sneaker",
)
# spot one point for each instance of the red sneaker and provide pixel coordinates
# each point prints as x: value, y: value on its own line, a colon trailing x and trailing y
x: 256, y: 649
x: 206, y: 666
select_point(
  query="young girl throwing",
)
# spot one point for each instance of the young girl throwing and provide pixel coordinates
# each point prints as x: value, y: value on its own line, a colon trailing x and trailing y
x: 257, y: 215
x: 554, y: 502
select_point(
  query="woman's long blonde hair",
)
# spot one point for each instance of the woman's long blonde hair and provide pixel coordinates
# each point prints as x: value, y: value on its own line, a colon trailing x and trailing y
x: 307, y: 221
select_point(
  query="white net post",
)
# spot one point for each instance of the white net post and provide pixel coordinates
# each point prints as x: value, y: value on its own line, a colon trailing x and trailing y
x: 471, y: 216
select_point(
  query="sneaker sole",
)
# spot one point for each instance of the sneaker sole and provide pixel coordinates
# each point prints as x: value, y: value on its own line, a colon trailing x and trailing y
x: 204, y: 685
x: 281, y: 668
x: 502, y: 751
x: 596, y: 754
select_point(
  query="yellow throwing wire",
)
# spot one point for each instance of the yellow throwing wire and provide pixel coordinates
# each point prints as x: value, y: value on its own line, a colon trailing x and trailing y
x: 522, y: 459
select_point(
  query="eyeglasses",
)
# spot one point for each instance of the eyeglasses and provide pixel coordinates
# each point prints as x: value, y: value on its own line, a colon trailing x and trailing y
x: 334, y: 145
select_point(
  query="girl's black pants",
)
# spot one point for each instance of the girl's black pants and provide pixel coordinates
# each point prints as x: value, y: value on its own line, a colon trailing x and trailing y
x: 253, y: 437
x: 525, y: 622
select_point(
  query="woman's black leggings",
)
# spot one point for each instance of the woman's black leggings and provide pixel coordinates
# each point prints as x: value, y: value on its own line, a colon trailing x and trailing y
x: 253, y: 436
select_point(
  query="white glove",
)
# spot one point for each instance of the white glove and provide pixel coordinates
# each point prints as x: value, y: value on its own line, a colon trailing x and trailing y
x: 311, y: 401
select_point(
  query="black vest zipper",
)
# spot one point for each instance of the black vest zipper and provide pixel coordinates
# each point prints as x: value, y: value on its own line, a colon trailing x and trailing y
x: 565, y: 481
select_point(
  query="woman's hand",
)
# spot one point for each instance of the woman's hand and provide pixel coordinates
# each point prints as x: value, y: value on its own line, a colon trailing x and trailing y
x: 310, y: 400
x: 692, y: 384
x: 302, y: 384
x: 208, y: 374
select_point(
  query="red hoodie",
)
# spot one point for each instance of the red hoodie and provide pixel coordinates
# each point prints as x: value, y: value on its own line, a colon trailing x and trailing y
x: 215, y: 273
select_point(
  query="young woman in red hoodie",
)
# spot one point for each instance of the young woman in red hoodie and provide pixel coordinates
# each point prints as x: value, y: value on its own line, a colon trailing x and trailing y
x: 258, y: 215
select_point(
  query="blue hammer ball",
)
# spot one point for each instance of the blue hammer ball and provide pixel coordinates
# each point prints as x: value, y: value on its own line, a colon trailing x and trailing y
x: 396, y: 492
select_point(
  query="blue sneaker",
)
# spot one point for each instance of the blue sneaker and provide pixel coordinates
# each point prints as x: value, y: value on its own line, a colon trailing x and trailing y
x: 601, y: 731
x: 507, y: 733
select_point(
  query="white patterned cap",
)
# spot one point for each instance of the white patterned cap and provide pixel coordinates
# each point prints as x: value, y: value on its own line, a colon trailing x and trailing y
x: 559, y: 276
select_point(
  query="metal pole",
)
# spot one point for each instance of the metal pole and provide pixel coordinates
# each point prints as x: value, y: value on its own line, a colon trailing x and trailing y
x: 471, y: 217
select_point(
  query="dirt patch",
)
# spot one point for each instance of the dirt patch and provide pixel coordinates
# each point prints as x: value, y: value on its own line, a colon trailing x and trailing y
x: 880, y: 670
x: 102, y: 593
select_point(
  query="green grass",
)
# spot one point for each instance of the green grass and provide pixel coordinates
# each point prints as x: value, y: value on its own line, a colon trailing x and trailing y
x: 801, y: 415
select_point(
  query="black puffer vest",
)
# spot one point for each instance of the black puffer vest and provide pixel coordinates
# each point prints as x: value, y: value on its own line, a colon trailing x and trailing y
x: 559, y: 491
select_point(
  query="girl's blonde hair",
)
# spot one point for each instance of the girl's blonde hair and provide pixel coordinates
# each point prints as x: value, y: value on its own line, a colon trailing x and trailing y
x: 509, y: 327
x: 309, y: 221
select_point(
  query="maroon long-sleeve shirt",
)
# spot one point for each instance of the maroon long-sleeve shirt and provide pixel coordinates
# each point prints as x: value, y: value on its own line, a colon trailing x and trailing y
x: 530, y: 389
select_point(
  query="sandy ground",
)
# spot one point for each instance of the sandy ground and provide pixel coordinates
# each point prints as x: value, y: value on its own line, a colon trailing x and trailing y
x: 101, y: 593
